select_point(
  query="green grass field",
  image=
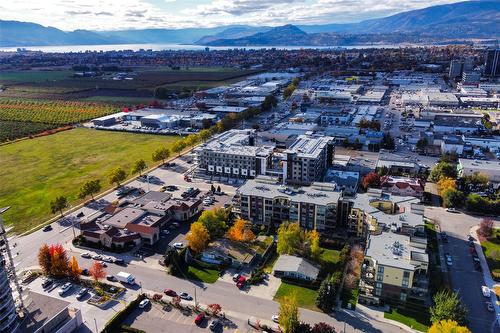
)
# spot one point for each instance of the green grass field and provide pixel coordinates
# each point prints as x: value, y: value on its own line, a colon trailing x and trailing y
x: 202, y: 274
x: 491, y: 249
x: 416, y: 320
x: 306, y: 297
x: 34, y: 76
x: 34, y: 171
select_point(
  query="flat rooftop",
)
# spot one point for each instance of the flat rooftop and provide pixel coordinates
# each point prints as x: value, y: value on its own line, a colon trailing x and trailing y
x: 309, y: 146
x: 43, y: 308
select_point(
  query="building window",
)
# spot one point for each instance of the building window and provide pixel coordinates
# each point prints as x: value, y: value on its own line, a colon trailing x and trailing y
x: 403, y: 296
x: 406, y: 279
x: 378, y: 292
x: 380, y: 269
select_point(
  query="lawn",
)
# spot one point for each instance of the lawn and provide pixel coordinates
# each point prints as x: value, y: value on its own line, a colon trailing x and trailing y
x: 306, y: 297
x: 329, y: 256
x: 491, y: 249
x: 34, y: 76
x: 206, y: 275
x: 34, y: 171
x: 416, y: 320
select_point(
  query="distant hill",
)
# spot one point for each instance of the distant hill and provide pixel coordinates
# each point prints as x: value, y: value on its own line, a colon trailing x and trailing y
x: 470, y: 19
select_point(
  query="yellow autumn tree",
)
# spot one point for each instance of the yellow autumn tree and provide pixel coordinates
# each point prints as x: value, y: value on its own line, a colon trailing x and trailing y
x: 447, y: 326
x: 315, y: 249
x: 74, y: 269
x: 197, y: 237
x: 446, y: 183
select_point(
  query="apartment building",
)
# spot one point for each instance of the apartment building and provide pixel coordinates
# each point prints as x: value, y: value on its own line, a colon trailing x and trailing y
x: 265, y: 202
x: 241, y: 154
x: 308, y: 158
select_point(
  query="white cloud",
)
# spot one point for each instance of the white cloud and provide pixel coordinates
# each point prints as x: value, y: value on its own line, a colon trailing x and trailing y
x: 138, y: 14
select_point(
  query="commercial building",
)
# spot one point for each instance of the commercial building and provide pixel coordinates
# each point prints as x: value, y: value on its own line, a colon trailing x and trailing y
x: 457, y: 124
x: 471, y: 77
x: 457, y: 67
x: 492, y: 66
x: 467, y: 167
x: 411, y: 187
x: 397, y: 164
x: 263, y: 201
x: 452, y: 144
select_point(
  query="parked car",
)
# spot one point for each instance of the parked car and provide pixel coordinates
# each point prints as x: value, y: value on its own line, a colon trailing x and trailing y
x: 85, y: 272
x: 107, y: 259
x: 170, y: 292
x: 214, y: 324
x: 449, y: 261
x: 178, y: 246
x: 476, y: 258
x: 452, y: 210
x: 97, y: 257
x: 85, y: 255
x: 199, y: 318
x: 165, y: 232
x: 145, y: 302
x: 81, y: 294
x: 65, y: 288
x: 119, y: 261
x: 185, y: 296
x: 236, y: 277
x: 111, y: 278
x: 275, y: 318
x: 47, y: 283
x: 471, y: 244
x: 486, y: 291
x: 48, y: 227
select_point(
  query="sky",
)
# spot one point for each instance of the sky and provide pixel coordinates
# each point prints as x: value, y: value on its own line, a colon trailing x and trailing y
x: 139, y: 14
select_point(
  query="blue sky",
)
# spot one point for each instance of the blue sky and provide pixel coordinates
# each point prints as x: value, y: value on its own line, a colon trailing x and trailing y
x: 139, y: 14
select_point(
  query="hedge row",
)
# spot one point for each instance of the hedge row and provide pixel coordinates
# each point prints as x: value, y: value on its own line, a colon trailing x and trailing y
x: 115, y: 323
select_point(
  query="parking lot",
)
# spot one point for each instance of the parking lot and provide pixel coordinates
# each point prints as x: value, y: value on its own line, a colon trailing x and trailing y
x: 154, y: 317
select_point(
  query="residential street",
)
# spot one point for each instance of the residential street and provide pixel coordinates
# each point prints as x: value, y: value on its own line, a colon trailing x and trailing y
x: 464, y: 278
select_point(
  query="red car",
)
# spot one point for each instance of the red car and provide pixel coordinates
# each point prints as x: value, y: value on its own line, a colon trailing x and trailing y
x: 199, y: 318
x: 170, y: 292
x: 240, y: 283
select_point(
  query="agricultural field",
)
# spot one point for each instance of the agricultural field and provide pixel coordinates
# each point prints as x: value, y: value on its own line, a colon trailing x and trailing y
x: 52, y: 112
x: 34, y: 171
x: 62, y: 85
x: 12, y: 130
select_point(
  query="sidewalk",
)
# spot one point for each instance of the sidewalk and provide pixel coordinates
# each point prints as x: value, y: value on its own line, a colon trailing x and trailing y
x: 372, y: 314
x: 488, y: 280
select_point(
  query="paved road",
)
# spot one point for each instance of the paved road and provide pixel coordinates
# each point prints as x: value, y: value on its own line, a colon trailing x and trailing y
x: 464, y: 278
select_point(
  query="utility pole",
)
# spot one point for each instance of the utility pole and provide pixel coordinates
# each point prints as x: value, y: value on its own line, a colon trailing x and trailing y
x: 195, y: 298
x: 95, y: 322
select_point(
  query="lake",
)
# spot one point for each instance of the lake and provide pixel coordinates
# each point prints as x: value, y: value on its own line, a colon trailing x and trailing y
x: 160, y: 47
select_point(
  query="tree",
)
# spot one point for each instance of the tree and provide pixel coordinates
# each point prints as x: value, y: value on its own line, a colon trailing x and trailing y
x: 371, y: 180
x: 453, y: 198
x: 447, y: 306
x: 215, y: 309
x: 322, y: 328
x: 289, y: 238
x: 74, y: 269
x: 326, y: 295
x: 422, y: 144
x: 116, y: 176
x: 486, y: 227
x: 59, y: 204
x: 215, y: 221
x: 447, y: 326
x: 197, y: 237
x: 45, y: 259
x: 476, y: 203
x: 97, y: 272
x: 388, y: 141
x: 90, y: 187
x: 314, y: 248
x: 161, y: 154
x: 139, y: 166
x: 445, y: 183
x: 303, y: 328
x: 288, y: 314
x: 248, y: 235
x: 178, y: 146
x: 59, y: 261
x: 236, y: 231
x: 443, y: 169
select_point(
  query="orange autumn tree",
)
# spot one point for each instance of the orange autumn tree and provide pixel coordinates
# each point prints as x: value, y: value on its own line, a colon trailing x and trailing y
x: 97, y: 272
x: 74, y: 269
x: 59, y: 260
x: 239, y: 232
x: 45, y: 259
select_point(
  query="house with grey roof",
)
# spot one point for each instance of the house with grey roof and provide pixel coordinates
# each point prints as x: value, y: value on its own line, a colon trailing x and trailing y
x: 294, y: 267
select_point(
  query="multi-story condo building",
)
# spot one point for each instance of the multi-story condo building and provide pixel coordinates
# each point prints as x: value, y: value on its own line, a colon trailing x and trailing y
x: 263, y: 201
x: 234, y: 154
x: 492, y: 66
x: 308, y: 158
x: 240, y: 154
x: 396, y: 263
x: 9, y: 321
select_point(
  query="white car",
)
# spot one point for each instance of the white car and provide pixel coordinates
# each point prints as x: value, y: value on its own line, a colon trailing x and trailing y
x: 65, y: 288
x: 275, y: 318
x: 97, y: 257
x: 178, y: 245
x: 486, y: 291
x: 449, y: 261
x: 85, y: 255
x: 145, y: 302
x: 107, y: 259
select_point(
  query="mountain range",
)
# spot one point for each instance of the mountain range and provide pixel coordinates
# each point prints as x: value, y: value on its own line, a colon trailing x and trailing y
x: 470, y: 19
